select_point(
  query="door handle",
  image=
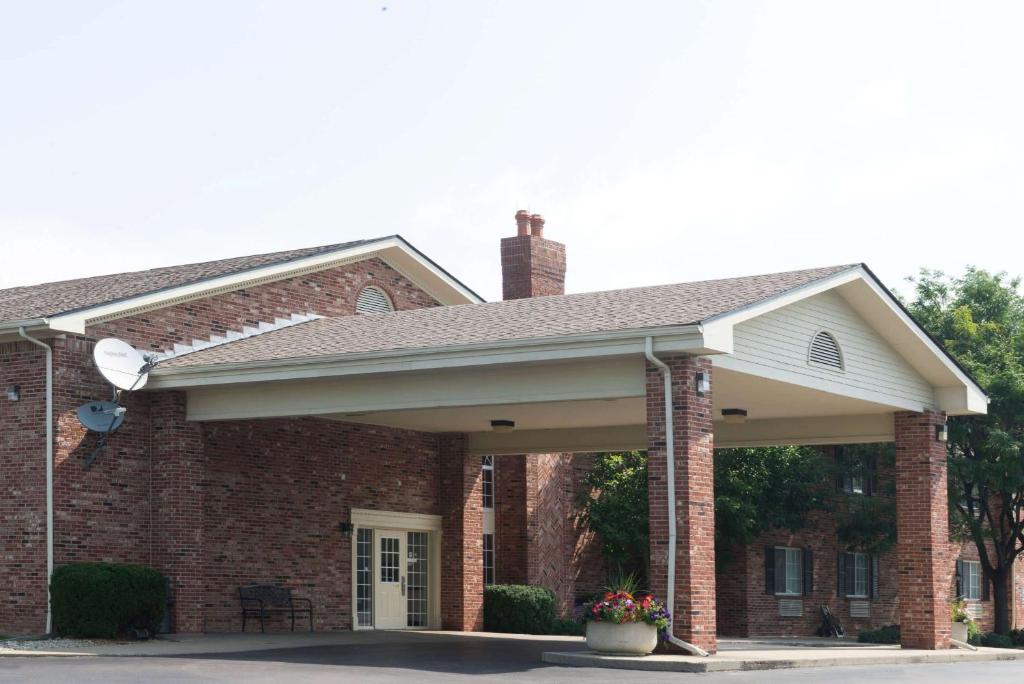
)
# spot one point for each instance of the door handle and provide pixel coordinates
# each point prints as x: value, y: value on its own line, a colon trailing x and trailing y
x: 403, y: 585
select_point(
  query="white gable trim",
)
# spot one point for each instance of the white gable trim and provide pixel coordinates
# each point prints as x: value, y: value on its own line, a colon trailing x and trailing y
x: 394, y: 250
x: 956, y: 392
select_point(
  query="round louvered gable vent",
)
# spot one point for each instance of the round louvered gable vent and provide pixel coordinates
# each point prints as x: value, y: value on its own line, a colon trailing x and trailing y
x: 825, y: 351
x: 373, y: 300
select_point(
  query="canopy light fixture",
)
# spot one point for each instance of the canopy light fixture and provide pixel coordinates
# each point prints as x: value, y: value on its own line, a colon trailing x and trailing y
x: 14, y: 392
x: 941, y: 433
x: 735, y: 416
x: 503, y: 425
x: 703, y: 383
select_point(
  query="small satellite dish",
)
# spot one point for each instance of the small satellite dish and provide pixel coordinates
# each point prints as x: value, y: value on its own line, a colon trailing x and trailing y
x: 119, y: 362
x: 101, y: 416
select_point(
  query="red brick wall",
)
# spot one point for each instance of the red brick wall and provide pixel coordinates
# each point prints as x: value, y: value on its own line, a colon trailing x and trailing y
x: 462, y: 537
x: 275, y: 494
x: 511, y: 543
x: 694, y: 618
x: 22, y: 490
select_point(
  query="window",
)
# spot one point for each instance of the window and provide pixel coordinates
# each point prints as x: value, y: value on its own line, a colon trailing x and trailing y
x: 788, y: 571
x: 389, y: 568
x: 825, y: 352
x: 971, y: 580
x: 372, y: 299
x: 856, y: 471
x: 488, y: 484
x: 418, y: 579
x: 364, y: 577
x: 858, y: 575
x: 488, y: 559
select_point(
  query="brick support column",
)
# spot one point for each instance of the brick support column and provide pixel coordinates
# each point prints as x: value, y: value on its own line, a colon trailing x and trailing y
x: 462, y: 530
x: 694, y: 619
x: 922, y: 531
x: 511, y: 502
x: 179, y: 473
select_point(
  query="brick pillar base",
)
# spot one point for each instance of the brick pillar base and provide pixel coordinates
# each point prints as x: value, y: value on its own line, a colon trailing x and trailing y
x: 694, y: 619
x: 922, y: 531
x: 462, y: 536
x: 179, y: 471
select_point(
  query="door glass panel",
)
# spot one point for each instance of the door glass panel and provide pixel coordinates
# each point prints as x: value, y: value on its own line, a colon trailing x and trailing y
x: 364, y: 577
x: 417, y: 578
x: 389, y: 568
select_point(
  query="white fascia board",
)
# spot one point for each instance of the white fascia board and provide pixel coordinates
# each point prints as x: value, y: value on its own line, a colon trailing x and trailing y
x: 396, y: 251
x: 682, y: 339
x: 976, y: 400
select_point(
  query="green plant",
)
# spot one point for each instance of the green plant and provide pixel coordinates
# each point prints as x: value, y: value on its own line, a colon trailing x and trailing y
x: 619, y: 581
x: 105, y: 600
x: 995, y: 640
x: 958, y: 611
x: 973, y: 632
x: 890, y: 634
x: 518, y: 609
x: 567, y: 627
x: 1018, y: 636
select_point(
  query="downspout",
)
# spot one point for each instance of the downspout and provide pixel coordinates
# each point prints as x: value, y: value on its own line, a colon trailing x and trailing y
x: 49, y: 469
x: 670, y: 475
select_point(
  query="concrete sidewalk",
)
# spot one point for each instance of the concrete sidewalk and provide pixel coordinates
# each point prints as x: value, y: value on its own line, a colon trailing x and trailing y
x: 771, y: 654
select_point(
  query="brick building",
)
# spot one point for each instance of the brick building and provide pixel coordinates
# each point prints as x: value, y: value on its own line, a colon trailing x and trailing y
x: 355, y: 423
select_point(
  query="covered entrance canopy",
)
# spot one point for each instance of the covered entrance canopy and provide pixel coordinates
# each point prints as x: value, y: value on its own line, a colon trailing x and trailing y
x: 824, y: 356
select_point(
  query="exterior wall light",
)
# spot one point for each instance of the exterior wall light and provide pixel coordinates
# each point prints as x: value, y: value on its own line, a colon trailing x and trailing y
x: 941, y: 433
x: 346, y: 529
x: 703, y: 383
x: 14, y: 392
x: 734, y: 416
x: 503, y: 426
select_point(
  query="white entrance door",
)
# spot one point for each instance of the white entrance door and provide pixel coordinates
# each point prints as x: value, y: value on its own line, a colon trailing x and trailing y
x: 391, y: 579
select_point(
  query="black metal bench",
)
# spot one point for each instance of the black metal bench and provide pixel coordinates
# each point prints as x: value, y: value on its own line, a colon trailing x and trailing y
x: 261, y: 600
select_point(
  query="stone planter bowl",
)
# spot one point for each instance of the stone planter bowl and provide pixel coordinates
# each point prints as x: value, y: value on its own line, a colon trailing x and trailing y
x: 630, y: 638
x: 960, y: 632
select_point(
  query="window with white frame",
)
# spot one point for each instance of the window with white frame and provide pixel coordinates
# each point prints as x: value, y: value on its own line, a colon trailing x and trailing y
x: 488, y: 482
x: 789, y: 571
x: 972, y: 580
x: 861, y: 568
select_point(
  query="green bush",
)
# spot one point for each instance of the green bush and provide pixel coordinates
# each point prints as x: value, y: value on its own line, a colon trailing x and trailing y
x: 105, y: 600
x: 995, y: 640
x: 1018, y: 636
x: 890, y: 634
x: 564, y: 627
x: 518, y: 609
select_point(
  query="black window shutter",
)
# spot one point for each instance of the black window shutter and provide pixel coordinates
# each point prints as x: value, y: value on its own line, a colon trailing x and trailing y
x: 985, y: 596
x: 769, y: 570
x: 874, y: 577
x: 808, y: 572
x: 959, y: 579
x: 841, y: 574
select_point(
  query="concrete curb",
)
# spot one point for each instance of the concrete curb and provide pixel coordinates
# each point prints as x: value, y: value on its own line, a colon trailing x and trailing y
x: 727, y: 663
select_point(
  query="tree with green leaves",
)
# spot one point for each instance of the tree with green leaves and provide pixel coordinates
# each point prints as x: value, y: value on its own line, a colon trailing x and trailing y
x: 979, y: 319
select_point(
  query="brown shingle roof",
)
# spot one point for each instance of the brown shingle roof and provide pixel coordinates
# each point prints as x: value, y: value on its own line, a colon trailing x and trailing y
x: 591, y: 312
x: 50, y: 299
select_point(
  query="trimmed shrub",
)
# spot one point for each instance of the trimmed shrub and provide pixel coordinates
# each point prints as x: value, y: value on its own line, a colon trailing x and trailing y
x: 104, y: 600
x: 996, y: 640
x: 518, y: 609
x: 564, y: 627
x: 890, y: 634
x: 1018, y: 636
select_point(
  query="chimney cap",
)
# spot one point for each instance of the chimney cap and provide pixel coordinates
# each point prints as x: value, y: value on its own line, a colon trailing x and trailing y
x: 537, y: 225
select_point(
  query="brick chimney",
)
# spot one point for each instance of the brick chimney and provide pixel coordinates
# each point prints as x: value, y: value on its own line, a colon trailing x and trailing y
x: 531, y: 265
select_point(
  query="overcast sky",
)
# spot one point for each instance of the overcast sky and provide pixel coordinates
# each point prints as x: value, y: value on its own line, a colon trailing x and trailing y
x: 663, y: 142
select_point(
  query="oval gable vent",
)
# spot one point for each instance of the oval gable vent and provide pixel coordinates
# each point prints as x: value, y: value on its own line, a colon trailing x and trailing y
x: 373, y: 300
x: 825, y: 351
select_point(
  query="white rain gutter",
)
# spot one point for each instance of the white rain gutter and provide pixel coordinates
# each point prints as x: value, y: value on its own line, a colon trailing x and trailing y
x: 49, y: 469
x: 670, y: 475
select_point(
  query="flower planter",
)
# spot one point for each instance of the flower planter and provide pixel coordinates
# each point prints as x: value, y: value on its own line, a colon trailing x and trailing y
x: 960, y: 632
x: 628, y: 638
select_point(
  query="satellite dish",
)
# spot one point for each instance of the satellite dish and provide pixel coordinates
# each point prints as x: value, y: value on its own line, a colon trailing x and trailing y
x: 101, y: 416
x: 119, y: 362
